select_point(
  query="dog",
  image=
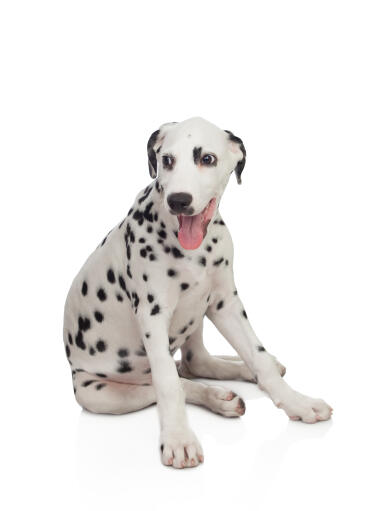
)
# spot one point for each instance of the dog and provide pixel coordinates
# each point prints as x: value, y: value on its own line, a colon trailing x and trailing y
x: 143, y: 294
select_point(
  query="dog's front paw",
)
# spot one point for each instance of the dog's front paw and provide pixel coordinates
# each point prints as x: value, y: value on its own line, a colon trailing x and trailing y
x: 307, y: 409
x: 180, y: 448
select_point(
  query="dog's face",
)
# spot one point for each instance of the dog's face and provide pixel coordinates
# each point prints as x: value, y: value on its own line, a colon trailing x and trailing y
x: 194, y: 160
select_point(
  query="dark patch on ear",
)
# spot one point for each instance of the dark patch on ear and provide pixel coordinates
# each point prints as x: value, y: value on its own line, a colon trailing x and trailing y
x: 197, y: 151
x: 241, y: 163
x: 152, y: 159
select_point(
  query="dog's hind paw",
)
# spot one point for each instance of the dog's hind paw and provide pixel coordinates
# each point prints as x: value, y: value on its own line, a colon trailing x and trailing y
x: 223, y: 401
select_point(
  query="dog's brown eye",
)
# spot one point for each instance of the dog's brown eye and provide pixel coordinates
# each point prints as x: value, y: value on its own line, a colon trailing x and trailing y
x: 167, y: 161
x: 208, y: 159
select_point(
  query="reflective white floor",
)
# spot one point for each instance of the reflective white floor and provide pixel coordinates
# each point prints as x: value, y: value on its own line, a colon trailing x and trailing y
x: 62, y: 457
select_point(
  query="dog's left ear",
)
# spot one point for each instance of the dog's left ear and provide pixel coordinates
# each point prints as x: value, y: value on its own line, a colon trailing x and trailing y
x: 154, y: 143
x: 237, y: 147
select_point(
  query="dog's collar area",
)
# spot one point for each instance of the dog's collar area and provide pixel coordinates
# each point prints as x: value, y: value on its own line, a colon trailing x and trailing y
x: 193, y: 228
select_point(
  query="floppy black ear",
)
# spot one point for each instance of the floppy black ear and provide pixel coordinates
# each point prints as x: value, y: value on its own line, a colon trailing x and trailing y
x: 154, y: 143
x: 152, y: 158
x: 238, y: 146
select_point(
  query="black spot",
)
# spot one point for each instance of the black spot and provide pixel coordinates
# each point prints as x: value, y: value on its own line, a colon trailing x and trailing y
x: 171, y: 340
x: 79, y: 341
x: 92, y: 351
x: 191, y: 322
x: 162, y: 234
x: 100, y: 386
x: 226, y: 262
x: 87, y: 383
x: 139, y: 217
x: 143, y: 252
x: 84, y: 288
x: 166, y: 248
x: 122, y: 283
x: 119, y: 298
x: 184, y: 286
x: 150, y: 298
x: 147, y: 335
x: 102, y: 243
x: 101, y: 346
x: 235, y: 292
x: 152, y: 257
x: 147, y: 371
x: 130, y: 212
x: 208, y: 298
x: 175, y: 233
x: 163, y: 225
x: 149, y: 229
x: 155, y: 310
x: 202, y: 261
x: 187, y: 337
x: 172, y: 273
x: 70, y: 337
x: 183, y: 330
x: 149, y: 248
x: 101, y: 294
x: 147, y: 213
x: 128, y: 252
x: 261, y: 348
x: 209, y: 248
x: 129, y: 272
x: 141, y: 240
x: 189, y: 355
x: 145, y: 277
x: 147, y: 191
x: 67, y: 351
x: 162, y: 447
x: 155, y: 217
x: 215, y: 240
x: 244, y: 314
x: 177, y: 253
x: 197, y: 151
x: 220, y: 304
x: 218, y: 261
x: 124, y: 367
x: 141, y: 352
x: 123, y: 352
x: 84, y: 323
x: 111, y: 276
x: 101, y: 375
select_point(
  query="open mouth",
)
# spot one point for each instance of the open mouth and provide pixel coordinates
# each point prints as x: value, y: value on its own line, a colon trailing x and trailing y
x: 193, y: 228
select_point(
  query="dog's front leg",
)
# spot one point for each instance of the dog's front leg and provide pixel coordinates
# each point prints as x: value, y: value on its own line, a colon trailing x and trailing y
x: 178, y: 444
x: 232, y: 322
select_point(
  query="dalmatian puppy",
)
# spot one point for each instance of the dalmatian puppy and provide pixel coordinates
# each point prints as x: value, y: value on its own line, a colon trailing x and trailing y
x: 144, y: 292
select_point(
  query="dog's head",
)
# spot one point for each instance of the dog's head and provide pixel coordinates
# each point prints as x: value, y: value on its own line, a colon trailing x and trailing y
x: 194, y: 159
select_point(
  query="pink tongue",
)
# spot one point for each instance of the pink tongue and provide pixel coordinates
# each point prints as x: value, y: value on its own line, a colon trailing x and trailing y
x: 191, y: 232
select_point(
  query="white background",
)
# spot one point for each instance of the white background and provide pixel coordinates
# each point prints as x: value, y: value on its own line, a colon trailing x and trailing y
x: 83, y: 85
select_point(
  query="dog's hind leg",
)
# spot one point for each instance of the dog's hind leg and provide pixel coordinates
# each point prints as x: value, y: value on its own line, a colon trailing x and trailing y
x: 197, y: 362
x: 99, y: 395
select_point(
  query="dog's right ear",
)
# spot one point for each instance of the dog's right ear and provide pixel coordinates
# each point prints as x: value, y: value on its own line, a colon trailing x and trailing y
x: 154, y: 145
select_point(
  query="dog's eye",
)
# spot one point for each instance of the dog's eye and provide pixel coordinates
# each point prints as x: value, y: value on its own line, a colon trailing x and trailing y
x: 167, y: 161
x: 208, y: 159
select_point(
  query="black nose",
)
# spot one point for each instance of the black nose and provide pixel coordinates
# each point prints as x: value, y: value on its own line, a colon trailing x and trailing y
x: 179, y: 202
